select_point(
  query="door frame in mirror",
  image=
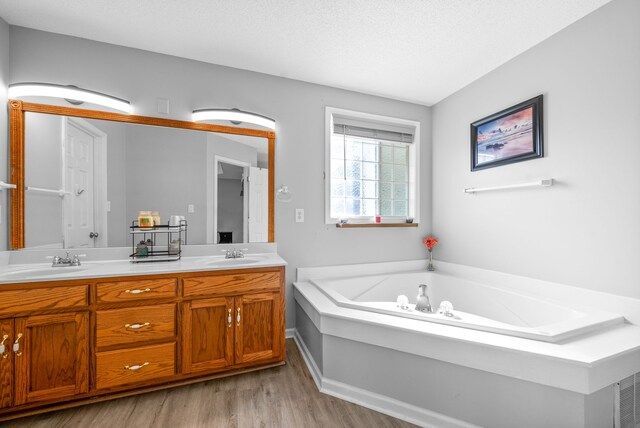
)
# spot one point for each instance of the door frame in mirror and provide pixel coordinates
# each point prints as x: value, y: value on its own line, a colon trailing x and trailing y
x: 17, y: 110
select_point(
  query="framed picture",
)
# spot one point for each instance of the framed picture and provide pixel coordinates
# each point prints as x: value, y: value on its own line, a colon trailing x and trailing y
x: 511, y: 135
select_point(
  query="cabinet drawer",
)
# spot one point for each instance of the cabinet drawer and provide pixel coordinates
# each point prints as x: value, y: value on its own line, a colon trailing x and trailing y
x: 131, y: 325
x: 232, y: 284
x: 42, y: 298
x: 126, y: 291
x: 122, y: 367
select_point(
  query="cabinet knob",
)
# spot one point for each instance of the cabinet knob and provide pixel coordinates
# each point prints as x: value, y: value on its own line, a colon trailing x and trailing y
x: 16, y: 345
x: 2, y: 347
x: 238, y: 316
x: 229, y: 318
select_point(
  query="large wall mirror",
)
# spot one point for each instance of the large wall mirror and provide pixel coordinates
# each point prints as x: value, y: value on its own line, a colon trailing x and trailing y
x: 83, y: 176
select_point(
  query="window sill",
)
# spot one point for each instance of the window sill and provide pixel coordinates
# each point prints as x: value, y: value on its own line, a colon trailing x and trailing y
x: 356, y: 225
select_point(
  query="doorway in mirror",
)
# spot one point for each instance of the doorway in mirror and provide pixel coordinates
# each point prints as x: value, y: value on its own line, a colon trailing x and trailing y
x: 241, y: 202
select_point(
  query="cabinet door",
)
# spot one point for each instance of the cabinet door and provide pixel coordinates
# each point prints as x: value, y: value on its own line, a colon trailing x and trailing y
x: 207, y: 334
x: 259, y: 327
x: 52, y: 360
x: 6, y: 364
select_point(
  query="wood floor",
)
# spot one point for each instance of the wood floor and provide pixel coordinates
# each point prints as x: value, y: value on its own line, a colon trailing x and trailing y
x: 285, y: 396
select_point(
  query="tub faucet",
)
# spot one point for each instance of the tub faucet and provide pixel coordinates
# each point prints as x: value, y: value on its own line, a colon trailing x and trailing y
x: 423, y: 304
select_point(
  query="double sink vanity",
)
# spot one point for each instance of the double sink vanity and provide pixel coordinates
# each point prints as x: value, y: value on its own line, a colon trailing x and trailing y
x: 110, y: 328
x: 103, y: 327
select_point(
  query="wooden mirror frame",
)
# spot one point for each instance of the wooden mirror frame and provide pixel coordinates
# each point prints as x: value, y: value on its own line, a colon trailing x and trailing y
x: 17, y: 110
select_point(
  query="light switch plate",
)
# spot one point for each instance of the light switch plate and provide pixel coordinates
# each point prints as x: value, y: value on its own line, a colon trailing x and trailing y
x: 108, y: 206
x: 191, y: 208
x: 299, y: 215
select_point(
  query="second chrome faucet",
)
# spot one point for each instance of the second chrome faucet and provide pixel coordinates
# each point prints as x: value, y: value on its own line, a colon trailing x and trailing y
x: 236, y: 253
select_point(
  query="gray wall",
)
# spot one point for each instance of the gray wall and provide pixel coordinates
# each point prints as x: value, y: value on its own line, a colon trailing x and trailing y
x: 173, y: 176
x: 585, y: 230
x: 221, y: 146
x: 4, y: 129
x: 43, y: 168
x: 298, y: 108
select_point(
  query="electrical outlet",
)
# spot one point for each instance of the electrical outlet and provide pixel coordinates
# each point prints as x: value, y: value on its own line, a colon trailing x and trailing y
x: 191, y: 208
x: 299, y: 215
x: 163, y: 106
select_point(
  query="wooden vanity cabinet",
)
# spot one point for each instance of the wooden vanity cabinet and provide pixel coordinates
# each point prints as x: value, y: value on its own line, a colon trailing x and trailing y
x: 233, y: 320
x: 208, y: 334
x: 258, y: 335
x: 53, y: 359
x: 46, y: 344
x: 6, y: 363
x: 85, y: 340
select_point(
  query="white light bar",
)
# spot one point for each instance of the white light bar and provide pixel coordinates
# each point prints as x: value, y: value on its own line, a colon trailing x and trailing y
x: 234, y: 116
x: 31, y: 89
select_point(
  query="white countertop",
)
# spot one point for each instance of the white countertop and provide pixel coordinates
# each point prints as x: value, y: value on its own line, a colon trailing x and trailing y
x: 37, y: 272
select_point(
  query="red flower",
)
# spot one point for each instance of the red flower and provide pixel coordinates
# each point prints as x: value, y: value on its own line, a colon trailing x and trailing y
x: 430, y: 242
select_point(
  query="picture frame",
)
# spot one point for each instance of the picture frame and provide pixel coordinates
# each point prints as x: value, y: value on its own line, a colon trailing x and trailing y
x: 508, y: 136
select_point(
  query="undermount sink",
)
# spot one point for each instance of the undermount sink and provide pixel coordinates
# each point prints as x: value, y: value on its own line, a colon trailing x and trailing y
x: 44, y: 271
x: 235, y: 262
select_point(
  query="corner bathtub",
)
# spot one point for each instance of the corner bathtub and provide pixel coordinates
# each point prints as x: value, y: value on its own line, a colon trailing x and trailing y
x: 475, y: 306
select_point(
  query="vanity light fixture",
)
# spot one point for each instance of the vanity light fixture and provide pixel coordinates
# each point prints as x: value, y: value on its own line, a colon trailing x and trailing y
x: 31, y: 89
x: 235, y: 116
x: 283, y: 194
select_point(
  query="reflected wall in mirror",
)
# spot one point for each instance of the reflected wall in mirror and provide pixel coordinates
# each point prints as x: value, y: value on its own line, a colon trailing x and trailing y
x: 86, y: 179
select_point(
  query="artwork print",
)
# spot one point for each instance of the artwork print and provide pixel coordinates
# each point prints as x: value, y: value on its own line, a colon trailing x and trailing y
x: 509, y: 136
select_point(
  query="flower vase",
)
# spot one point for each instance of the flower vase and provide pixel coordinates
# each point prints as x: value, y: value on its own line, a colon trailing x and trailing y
x: 430, y: 267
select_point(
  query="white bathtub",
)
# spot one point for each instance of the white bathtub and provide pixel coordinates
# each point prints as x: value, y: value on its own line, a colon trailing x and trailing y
x: 475, y: 305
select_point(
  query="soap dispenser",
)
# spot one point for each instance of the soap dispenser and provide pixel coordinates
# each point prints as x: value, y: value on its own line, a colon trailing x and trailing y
x: 142, y: 250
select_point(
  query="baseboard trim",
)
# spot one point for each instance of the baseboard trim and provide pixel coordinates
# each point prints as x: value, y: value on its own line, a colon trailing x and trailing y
x: 316, y: 374
x: 371, y: 400
x: 290, y: 333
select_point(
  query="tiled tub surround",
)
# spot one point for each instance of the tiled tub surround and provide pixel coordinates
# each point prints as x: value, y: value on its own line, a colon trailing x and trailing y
x: 445, y: 375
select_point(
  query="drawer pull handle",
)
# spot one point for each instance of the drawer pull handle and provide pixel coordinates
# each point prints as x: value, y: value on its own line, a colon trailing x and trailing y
x: 229, y: 319
x: 137, y: 291
x: 137, y: 326
x: 238, y: 317
x: 16, y: 345
x: 137, y: 366
x: 2, y: 347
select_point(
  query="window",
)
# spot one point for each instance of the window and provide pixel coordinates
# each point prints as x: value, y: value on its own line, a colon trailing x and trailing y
x: 371, y: 167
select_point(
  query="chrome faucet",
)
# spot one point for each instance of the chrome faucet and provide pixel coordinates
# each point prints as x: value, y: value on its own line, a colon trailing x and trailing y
x: 236, y: 253
x: 66, y: 261
x: 423, y: 304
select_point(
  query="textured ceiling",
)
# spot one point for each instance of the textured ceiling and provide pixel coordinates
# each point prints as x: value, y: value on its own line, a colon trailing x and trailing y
x: 412, y: 50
